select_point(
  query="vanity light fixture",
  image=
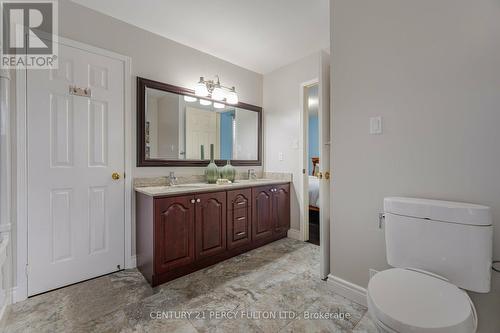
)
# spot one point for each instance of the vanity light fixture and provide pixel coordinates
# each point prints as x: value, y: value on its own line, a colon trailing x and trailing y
x: 218, y: 94
x: 201, y: 89
x: 219, y: 105
x: 205, y: 102
x: 232, y: 96
x: 216, y: 91
x: 190, y: 99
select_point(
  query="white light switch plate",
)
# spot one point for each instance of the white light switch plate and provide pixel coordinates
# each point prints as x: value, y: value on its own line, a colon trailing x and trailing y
x: 375, y: 125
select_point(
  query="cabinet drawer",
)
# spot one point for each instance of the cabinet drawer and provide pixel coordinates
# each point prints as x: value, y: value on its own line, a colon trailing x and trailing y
x: 240, y: 214
x: 239, y: 227
x: 240, y: 204
x: 239, y: 199
x: 240, y: 223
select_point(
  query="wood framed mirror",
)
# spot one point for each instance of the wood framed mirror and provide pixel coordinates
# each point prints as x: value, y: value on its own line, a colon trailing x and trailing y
x: 176, y: 128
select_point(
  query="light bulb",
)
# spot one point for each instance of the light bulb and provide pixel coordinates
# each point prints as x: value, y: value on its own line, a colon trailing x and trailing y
x: 232, y: 97
x: 219, y: 105
x: 190, y: 99
x: 205, y: 102
x: 201, y: 88
x: 218, y: 94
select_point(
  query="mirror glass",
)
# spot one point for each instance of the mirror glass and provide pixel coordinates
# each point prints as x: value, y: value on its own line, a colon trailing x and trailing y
x: 179, y: 127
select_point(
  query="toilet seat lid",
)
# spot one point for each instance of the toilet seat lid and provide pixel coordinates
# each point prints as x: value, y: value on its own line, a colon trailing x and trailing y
x: 408, y: 301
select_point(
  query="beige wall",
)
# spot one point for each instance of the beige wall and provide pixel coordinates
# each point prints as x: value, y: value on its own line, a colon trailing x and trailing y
x: 282, y: 123
x: 431, y: 69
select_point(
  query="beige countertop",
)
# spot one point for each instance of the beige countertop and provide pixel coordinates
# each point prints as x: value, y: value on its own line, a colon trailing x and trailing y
x: 160, y: 191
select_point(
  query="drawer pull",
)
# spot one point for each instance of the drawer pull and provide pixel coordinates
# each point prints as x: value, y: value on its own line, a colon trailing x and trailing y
x: 240, y: 218
x: 240, y: 233
x: 241, y: 203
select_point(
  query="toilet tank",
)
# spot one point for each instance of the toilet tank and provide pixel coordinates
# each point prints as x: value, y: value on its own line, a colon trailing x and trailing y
x: 451, y: 239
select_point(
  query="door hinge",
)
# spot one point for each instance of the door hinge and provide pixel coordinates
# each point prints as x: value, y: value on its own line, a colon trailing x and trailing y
x: 27, y: 269
x: 303, y: 171
x: 381, y: 219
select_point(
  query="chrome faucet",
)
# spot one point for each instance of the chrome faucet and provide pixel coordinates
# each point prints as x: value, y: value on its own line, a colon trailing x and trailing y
x: 172, y: 179
x: 251, y: 174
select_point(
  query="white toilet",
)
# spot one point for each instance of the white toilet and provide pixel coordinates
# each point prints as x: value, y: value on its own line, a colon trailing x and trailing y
x: 438, y: 249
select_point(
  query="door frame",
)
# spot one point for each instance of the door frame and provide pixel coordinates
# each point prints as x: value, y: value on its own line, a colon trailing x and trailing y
x: 20, y: 292
x: 304, y: 144
x: 325, y: 105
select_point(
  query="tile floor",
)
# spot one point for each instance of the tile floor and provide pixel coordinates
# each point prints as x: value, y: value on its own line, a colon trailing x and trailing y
x: 280, y: 279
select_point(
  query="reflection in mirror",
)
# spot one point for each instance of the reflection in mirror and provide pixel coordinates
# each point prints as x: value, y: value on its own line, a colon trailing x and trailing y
x: 179, y: 127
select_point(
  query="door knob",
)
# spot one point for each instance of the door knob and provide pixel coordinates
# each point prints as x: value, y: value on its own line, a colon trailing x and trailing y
x: 115, y: 175
x: 320, y: 175
x: 193, y: 201
x: 327, y: 175
x: 198, y: 200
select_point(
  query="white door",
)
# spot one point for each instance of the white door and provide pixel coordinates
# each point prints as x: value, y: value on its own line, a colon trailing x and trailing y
x: 75, y: 208
x: 324, y: 163
x: 202, y: 128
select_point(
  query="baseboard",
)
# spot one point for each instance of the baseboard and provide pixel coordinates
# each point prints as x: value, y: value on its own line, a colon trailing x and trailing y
x: 2, y: 313
x: 131, y: 262
x: 294, y: 234
x: 8, y: 301
x: 18, y: 295
x: 348, y: 289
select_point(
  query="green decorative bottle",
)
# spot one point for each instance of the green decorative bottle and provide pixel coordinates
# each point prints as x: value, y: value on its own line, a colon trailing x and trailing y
x: 212, y: 172
x: 228, y: 172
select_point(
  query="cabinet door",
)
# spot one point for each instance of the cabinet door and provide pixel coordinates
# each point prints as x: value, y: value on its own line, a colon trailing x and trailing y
x: 174, y: 233
x: 210, y: 224
x: 239, y: 216
x: 262, y: 219
x: 281, y: 209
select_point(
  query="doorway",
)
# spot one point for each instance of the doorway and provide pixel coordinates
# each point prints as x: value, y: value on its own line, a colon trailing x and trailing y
x: 311, y: 155
x: 315, y: 204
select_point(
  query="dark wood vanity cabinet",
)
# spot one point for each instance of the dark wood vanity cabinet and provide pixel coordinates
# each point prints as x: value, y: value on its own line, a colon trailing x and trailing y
x: 281, y: 209
x: 239, y: 218
x: 177, y: 235
x: 270, y: 211
x: 262, y: 212
x: 174, y: 231
x: 210, y: 220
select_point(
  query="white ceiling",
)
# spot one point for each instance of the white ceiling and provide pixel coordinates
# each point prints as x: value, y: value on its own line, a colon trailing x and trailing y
x: 260, y: 35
